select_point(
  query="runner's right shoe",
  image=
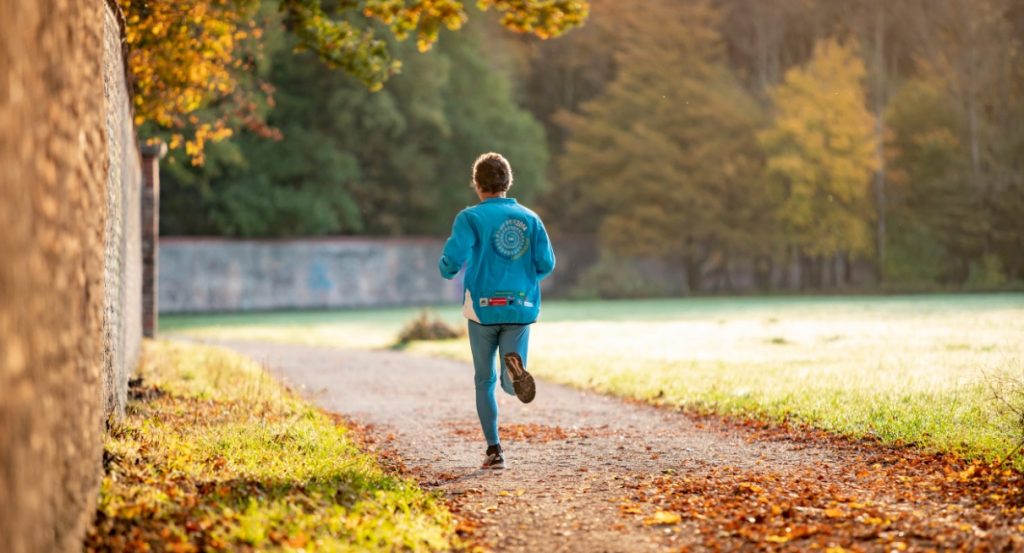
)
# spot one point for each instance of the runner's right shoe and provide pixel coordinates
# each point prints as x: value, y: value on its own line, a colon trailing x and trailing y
x: 522, y: 381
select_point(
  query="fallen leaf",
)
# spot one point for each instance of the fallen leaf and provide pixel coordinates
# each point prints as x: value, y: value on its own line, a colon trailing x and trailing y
x: 663, y: 518
x: 630, y: 509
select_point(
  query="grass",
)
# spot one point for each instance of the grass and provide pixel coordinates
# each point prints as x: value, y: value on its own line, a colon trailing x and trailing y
x: 911, y: 369
x: 218, y: 456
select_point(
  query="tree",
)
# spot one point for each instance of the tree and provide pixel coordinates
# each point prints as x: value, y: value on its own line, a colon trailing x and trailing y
x: 665, y: 163
x: 186, y: 55
x: 939, y: 218
x: 958, y: 144
x: 562, y: 74
x: 354, y: 161
x: 821, y: 155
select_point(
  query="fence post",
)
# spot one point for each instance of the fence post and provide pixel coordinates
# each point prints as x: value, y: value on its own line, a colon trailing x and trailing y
x: 151, y: 155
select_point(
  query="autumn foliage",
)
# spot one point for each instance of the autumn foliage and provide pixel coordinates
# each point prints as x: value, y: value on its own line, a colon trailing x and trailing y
x: 193, y: 54
x: 821, y: 151
x: 185, y: 55
x: 872, y: 498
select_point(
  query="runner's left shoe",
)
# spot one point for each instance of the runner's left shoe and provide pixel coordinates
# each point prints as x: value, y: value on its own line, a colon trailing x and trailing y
x: 494, y: 458
x: 522, y: 381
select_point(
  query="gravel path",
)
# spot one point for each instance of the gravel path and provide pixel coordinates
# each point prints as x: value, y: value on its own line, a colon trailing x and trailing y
x: 572, y: 455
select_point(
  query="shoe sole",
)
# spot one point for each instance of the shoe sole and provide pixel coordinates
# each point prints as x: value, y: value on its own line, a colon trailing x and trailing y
x: 522, y: 381
x: 494, y: 467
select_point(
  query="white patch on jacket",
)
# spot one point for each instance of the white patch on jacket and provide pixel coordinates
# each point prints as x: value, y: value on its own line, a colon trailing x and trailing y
x: 467, y: 309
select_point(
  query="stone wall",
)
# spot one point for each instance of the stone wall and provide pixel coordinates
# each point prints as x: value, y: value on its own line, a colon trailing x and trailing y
x: 198, y: 275
x: 66, y: 281
x: 122, y: 305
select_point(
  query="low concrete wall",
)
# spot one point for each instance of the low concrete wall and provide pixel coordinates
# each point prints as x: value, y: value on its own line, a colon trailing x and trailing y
x: 199, y: 275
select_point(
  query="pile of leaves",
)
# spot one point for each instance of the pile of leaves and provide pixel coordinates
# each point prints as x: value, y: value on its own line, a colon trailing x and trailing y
x: 428, y: 326
x: 871, y: 498
x: 215, y: 455
x: 528, y: 432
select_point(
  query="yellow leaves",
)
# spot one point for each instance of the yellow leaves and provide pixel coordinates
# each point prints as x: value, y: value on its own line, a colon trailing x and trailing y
x: 630, y: 509
x: 834, y: 513
x: 750, y: 487
x: 876, y: 521
x: 663, y: 518
x: 822, y: 151
x: 183, y: 57
x: 506, y: 493
x: 204, y: 133
x: 777, y: 539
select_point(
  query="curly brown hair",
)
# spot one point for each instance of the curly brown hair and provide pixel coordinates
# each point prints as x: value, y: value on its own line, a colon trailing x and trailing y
x: 492, y: 173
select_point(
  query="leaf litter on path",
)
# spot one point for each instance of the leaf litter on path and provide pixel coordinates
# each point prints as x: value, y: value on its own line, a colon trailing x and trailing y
x: 595, y: 469
x: 875, y: 498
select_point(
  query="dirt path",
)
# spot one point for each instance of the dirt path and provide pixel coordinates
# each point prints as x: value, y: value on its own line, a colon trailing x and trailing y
x: 593, y: 473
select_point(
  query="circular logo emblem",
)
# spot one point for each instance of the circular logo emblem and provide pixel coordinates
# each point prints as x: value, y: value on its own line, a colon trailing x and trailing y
x: 510, y: 239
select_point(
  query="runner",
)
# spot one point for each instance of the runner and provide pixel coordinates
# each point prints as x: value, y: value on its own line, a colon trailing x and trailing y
x: 506, y: 252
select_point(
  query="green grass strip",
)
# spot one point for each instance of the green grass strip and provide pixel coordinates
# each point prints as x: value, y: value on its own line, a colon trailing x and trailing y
x: 219, y: 456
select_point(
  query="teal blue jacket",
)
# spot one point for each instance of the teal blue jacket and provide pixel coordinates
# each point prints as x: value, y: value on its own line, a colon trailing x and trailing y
x: 506, y: 252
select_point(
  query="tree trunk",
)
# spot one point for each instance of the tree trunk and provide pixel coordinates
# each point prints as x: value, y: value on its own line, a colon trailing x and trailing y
x: 804, y: 279
x: 848, y: 270
x: 819, y: 272
x: 810, y: 272
x: 786, y: 275
x: 727, y: 284
x: 880, y: 101
x: 964, y: 272
x: 972, y: 114
x: 694, y: 275
x: 763, y: 269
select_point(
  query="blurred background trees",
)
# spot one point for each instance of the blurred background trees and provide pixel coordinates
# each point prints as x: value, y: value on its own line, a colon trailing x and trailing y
x: 712, y: 135
x: 886, y: 132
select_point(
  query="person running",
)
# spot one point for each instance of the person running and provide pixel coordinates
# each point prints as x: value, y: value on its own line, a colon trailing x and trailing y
x: 506, y: 252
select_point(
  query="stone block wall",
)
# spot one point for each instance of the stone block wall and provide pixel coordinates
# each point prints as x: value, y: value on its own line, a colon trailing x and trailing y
x: 66, y: 280
x: 122, y: 306
x: 199, y: 275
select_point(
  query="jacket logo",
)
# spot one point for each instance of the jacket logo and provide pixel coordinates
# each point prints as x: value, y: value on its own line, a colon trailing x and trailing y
x: 510, y: 240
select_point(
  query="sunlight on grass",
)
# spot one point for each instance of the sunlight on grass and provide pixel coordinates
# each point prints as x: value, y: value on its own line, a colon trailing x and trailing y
x: 886, y: 373
x: 911, y: 369
x: 228, y: 459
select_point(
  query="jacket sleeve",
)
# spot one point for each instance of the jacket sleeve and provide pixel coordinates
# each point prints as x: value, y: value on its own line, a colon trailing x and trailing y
x: 543, y: 254
x: 458, y: 247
